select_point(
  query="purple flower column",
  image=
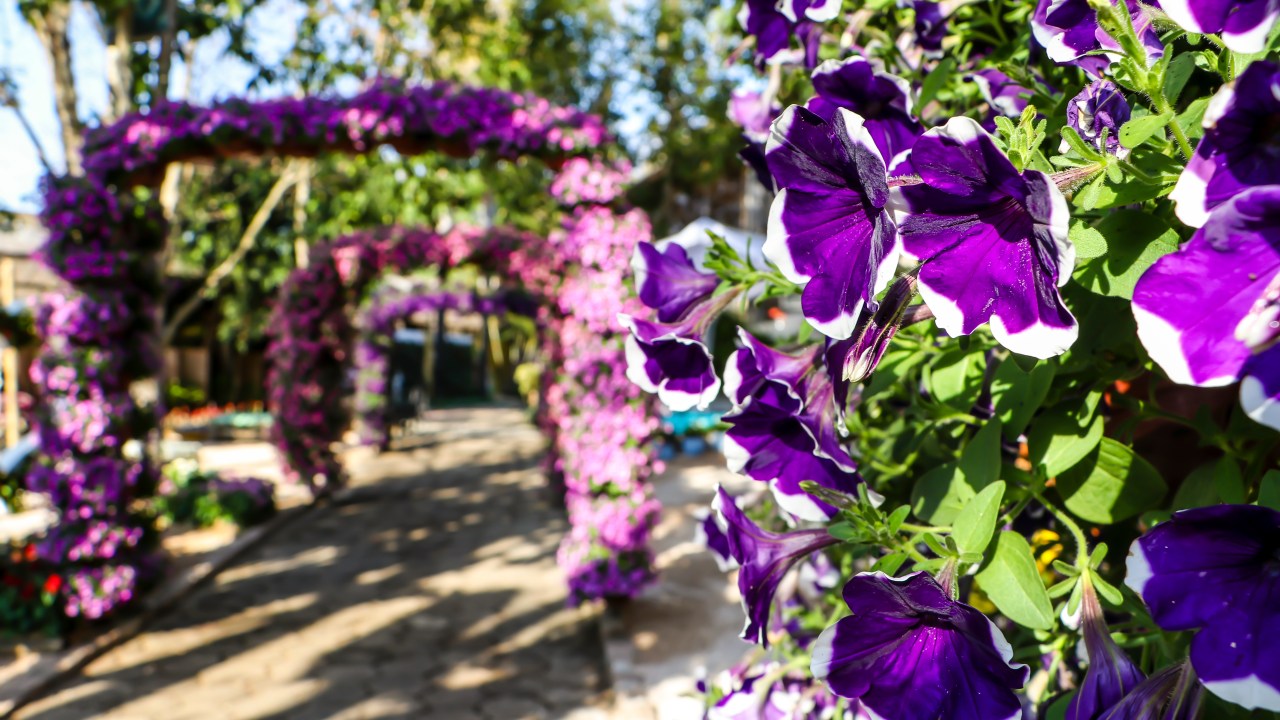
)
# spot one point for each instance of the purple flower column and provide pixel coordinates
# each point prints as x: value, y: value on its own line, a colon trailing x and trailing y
x: 910, y: 652
x: 993, y: 241
x: 1218, y: 569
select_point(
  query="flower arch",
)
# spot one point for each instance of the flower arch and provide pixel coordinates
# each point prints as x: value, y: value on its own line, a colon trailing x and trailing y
x: 394, y: 299
x: 106, y: 229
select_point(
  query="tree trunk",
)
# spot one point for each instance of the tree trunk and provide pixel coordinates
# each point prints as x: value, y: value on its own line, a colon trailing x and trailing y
x: 51, y: 28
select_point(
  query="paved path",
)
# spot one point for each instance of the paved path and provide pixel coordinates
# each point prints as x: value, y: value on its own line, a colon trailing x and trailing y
x: 431, y: 591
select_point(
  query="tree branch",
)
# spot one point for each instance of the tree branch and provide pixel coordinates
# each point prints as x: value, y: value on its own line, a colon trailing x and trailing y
x: 51, y: 29
x: 168, y: 45
x: 287, y: 179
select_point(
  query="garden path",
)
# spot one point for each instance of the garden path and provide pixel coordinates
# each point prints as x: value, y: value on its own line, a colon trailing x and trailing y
x: 429, y: 590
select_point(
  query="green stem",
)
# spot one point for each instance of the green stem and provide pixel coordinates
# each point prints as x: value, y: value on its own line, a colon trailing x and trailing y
x: 1082, y: 543
x: 912, y: 527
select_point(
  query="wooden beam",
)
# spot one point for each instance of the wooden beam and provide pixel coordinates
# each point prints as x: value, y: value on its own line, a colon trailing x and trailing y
x: 12, y: 421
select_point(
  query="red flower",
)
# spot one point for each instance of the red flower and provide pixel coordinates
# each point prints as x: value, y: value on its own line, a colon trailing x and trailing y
x: 29, y: 552
x: 53, y: 584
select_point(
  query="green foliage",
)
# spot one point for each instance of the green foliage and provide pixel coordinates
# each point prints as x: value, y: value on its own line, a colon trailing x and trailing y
x: 1012, y: 581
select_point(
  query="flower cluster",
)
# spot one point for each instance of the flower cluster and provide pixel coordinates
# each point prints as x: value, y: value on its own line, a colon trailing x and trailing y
x: 455, y: 119
x: 602, y: 426
x: 103, y: 234
x: 1001, y: 331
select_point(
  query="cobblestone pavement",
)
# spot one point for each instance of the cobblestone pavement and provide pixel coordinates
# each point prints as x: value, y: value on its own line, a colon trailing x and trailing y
x: 429, y: 591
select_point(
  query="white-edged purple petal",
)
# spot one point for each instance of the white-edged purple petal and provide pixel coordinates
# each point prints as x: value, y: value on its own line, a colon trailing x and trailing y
x: 764, y: 558
x: 1243, y: 24
x: 828, y: 225
x: 769, y: 441
x: 993, y: 241
x: 1260, y: 388
x: 672, y: 361
x: 1000, y: 91
x: 1215, y: 568
x: 1190, y: 303
x: 667, y: 280
x: 881, y: 99
x: 1240, y: 148
x: 909, y: 652
x: 708, y: 534
x: 755, y: 363
x: 1099, y: 107
x: 1070, y: 33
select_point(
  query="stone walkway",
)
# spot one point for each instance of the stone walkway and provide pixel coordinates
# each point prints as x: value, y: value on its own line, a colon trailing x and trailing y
x: 429, y: 591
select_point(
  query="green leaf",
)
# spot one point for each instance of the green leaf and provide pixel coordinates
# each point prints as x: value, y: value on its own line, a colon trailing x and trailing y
x: 940, y: 494
x: 1082, y: 148
x: 889, y: 564
x: 980, y: 461
x: 1229, y: 482
x: 1018, y: 394
x: 1138, y: 130
x: 1176, y: 75
x: 898, y: 517
x: 1135, y: 241
x: 936, y: 545
x: 1065, y: 569
x: 955, y: 377
x: 1197, y: 488
x: 1013, y: 583
x: 1192, y: 119
x: 1106, y: 590
x: 843, y: 532
x: 976, y: 523
x: 934, y: 81
x: 1111, y: 485
x: 1269, y: 490
x: 1064, y: 436
x: 1059, y: 589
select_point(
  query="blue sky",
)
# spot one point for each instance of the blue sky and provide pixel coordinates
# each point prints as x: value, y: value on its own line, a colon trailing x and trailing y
x: 24, y: 58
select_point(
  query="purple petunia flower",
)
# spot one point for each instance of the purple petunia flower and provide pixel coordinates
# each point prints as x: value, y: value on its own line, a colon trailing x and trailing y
x: 672, y: 359
x: 1100, y: 106
x: 1243, y: 24
x: 708, y: 534
x: 993, y: 241
x: 1218, y: 569
x: 782, y: 431
x: 1001, y: 92
x: 908, y: 651
x: 1206, y: 313
x: 764, y: 557
x: 882, y: 100
x: 1069, y: 32
x: 1111, y: 674
x: 829, y: 227
x: 930, y: 26
x: 750, y: 368
x: 1240, y: 148
x: 773, y: 22
x: 668, y: 281
x: 751, y: 111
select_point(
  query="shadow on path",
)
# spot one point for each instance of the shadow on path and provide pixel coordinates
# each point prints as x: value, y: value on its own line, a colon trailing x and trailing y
x: 430, y: 591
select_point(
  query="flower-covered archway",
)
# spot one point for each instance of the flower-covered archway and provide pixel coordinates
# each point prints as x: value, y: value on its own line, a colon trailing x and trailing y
x: 107, y: 228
